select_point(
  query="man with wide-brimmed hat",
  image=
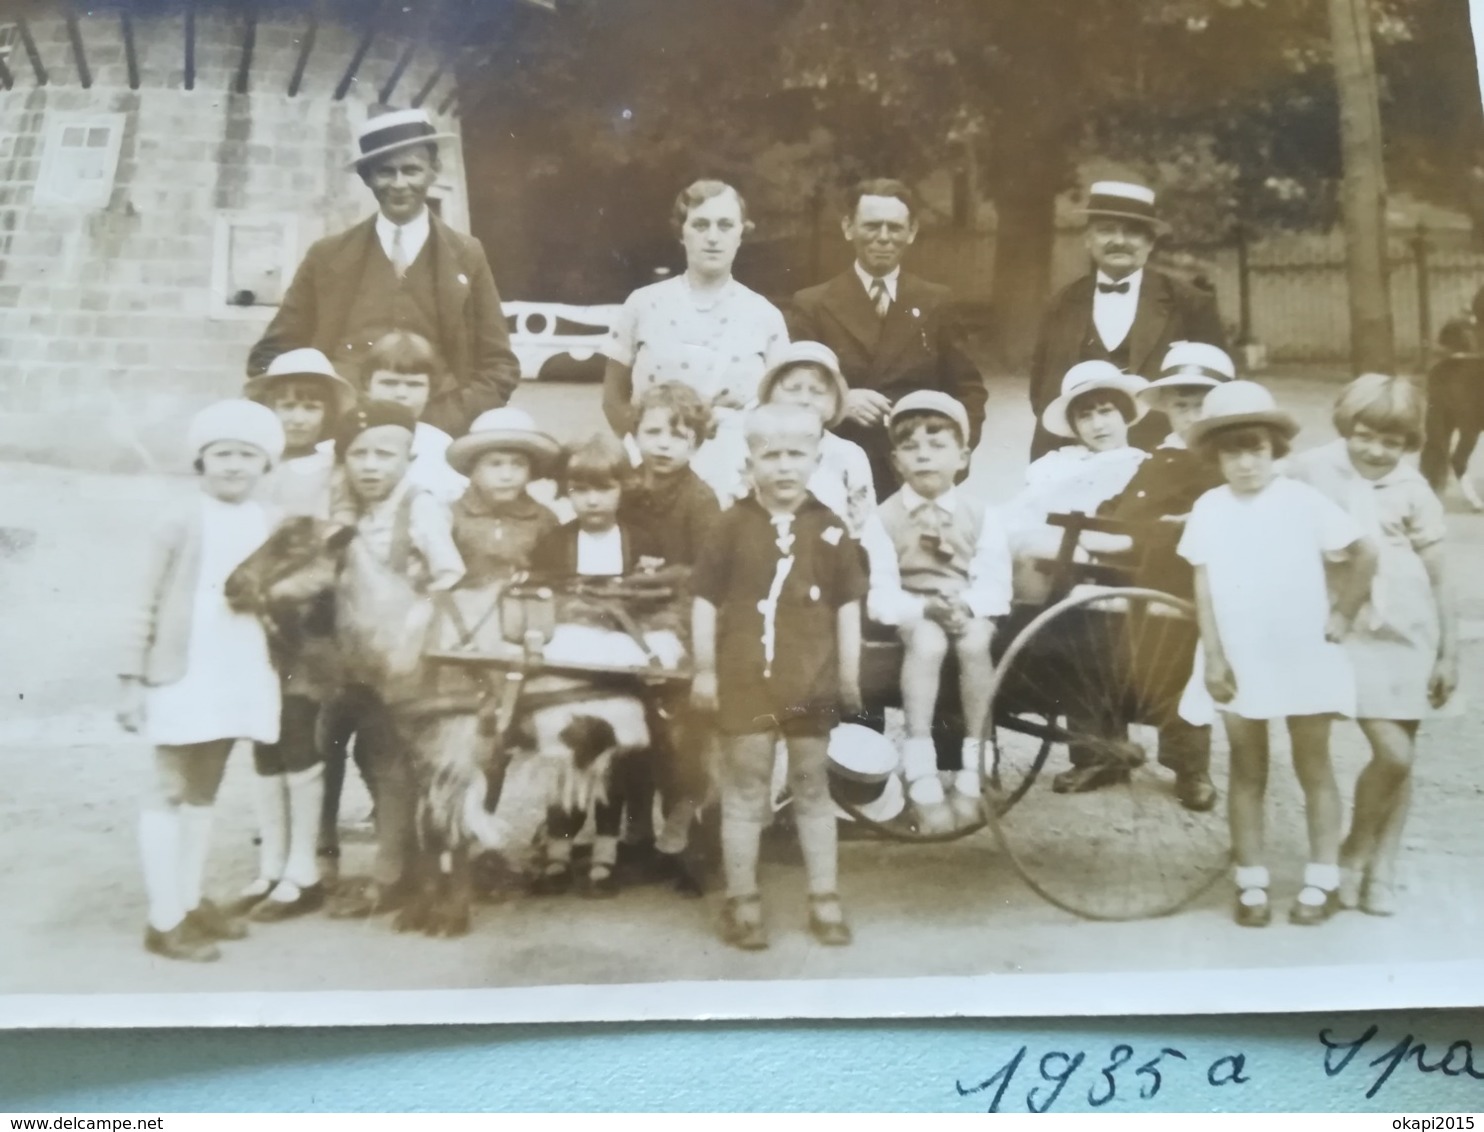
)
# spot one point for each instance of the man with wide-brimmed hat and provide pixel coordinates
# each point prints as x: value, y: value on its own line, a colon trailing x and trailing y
x: 1122, y: 312
x: 403, y: 269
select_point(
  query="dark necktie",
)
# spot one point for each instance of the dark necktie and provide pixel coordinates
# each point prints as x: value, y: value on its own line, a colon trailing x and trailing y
x: 880, y: 297
x: 1113, y: 288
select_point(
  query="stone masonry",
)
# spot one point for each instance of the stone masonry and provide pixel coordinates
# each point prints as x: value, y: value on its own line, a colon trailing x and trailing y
x: 109, y: 336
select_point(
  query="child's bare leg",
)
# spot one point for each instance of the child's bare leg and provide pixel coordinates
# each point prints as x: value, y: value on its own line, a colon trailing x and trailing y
x: 746, y: 783
x: 1379, y: 787
x: 1316, y: 775
x: 975, y: 675
x: 922, y: 670
x: 809, y: 782
x: 1248, y: 787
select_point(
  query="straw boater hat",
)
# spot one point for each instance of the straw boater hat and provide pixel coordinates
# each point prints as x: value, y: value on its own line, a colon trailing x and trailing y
x: 1086, y: 377
x: 932, y: 401
x: 1124, y: 200
x: 239, y: 420
x: 302, y: 364
x: 807, y: 353
x: 506, y: 430
x: 394, y: 130
x: 1240, y: 403
x: 1190, y: 364
x: 863, y: 765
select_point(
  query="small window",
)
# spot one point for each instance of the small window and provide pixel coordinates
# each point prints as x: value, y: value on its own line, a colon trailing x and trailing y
x: 80, y: 161
x: 254, y: 258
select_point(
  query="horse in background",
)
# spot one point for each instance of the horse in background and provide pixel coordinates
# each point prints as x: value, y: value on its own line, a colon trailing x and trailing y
x: 456, y: 724
x: 1455, y: 405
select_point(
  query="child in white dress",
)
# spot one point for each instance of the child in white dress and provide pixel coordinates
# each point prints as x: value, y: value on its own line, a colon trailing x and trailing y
x: 1269, y: 634
x: 1404, y: 646
x: 1097, y: 405
x: 198, y: 675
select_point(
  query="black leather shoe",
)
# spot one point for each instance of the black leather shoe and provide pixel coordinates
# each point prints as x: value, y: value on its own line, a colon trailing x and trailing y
x: 1083, y: 779
x: 180, y: 943
x: 208, y: 922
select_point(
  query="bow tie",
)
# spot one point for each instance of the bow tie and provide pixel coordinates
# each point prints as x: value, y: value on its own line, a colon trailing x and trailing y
x: 1113, y: 288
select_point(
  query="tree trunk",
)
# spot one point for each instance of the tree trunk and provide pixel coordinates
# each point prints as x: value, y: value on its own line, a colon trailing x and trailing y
x: 1024, y: 231
x: 1363, y: 195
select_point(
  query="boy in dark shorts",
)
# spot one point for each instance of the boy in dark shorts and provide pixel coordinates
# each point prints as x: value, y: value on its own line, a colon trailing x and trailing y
x: 776, y: 637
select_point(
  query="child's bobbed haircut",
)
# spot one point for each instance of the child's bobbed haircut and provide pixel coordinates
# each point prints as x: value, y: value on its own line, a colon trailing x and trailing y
x: 906, y: 425
x: 1384, y: 403
x: 687, y: 410
x: 1243, y: 437
x: 401, y: 351
x: 1120, y: 400
x: 764, y: 422
x: 698, y: 193
x: 600, y: 461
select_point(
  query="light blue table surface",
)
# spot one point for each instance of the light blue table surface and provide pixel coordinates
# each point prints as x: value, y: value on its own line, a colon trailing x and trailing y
x: 866, y: 1066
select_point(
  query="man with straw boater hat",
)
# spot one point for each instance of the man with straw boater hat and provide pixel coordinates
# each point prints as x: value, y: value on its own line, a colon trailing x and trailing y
x: 402, y: 269
x: 1122, y: 312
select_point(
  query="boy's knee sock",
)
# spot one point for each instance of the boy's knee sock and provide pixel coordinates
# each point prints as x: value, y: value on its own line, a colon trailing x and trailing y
x: 819, y: 840
x: 741, y: 839
x: 306, y: 790
x: 195, y: 844
x: 271, y: 801
x: 920, y: 765
x: 159, y: 852
x: 968, y: 780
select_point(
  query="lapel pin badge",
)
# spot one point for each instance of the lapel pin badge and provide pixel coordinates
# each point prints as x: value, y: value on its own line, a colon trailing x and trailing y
x: 916, y: 313
x: 464, y: 279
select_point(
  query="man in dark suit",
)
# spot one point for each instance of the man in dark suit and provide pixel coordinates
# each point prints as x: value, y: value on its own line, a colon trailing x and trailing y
x: 893, y: 332
x: 403, y: 269
x: 1121, y: 312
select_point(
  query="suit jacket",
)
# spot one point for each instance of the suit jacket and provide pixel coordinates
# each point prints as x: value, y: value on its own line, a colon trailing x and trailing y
x: 917, y: 346
x: 473, y: 339
x: 1168, y: 311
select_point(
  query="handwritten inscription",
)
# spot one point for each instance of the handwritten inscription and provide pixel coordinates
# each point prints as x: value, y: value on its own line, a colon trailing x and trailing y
x: 1108, y: 1078
x: 1455, y: 1061
x: 1043, y: 1080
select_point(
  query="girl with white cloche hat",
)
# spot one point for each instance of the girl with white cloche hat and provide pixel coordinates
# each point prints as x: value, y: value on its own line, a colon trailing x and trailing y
x: 197, y: 676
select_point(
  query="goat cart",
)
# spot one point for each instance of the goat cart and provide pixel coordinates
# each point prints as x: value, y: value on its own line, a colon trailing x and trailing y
x: 1089, y: 672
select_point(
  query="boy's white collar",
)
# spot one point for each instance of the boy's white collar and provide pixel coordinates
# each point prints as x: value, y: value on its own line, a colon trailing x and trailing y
x: 912, y: 500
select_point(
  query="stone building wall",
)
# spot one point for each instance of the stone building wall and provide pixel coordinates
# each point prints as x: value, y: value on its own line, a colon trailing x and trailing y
x: 116, y: 319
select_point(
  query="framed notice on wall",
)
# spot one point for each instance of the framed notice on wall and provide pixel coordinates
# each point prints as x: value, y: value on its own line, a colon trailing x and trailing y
x: 252, y: 262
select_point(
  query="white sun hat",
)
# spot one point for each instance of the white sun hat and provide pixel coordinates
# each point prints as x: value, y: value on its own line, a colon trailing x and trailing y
x: 1240, y: 403
x: 863, y: 764
x: 306, y: 362
x: 1193, y: 364
x: 1087, y: 377
x: 504, y: 429
x: 240, y: 420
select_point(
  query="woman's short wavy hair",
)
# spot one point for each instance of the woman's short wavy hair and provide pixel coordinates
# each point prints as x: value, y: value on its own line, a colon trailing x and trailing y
x: 696, y: 194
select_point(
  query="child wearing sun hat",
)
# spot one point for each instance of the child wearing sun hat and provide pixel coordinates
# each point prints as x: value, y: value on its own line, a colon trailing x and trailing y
x: 308, y: 397
x: 197, y: 675
x: 496, y: 522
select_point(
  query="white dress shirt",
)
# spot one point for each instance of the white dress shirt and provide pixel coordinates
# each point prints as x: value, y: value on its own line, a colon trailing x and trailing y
x: 868, y: 280
x: 600, y: 555
x: 414, y: 235
x: 1113, y: 314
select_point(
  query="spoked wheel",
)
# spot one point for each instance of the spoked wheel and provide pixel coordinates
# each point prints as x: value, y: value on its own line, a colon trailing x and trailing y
x: 1089, y: 683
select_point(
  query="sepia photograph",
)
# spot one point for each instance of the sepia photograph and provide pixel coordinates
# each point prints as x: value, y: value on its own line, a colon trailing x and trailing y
x: 609, y: 510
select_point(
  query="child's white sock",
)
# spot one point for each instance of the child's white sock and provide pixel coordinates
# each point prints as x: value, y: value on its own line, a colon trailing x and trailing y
x: 269, y: 802
x: 1252, y: 883
x: 674, y: 834
x: 1326, y: 878
x: 968, y: 780
x: 306, y: 793
x: 920, y: 766
x: 819, y: 840
x: 741, y: 841
x: 195, y: 844
x: 159, y: 852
